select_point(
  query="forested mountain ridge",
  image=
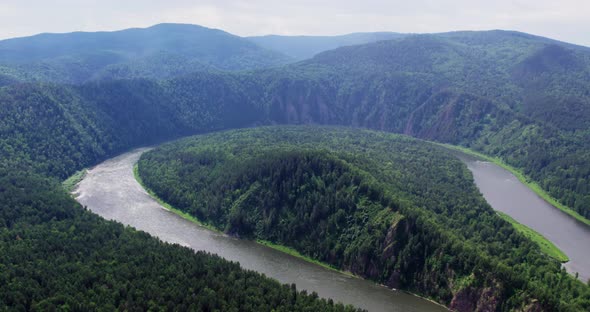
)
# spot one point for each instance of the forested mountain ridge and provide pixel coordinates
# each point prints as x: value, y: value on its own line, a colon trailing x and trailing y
x: 160, y: 51
x: 522, y: 98
x: 390, y: 208
x: 57, y: 129
x: 519, y: 97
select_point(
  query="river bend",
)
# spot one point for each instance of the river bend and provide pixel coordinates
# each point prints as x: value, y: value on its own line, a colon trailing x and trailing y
x: 111, y: 191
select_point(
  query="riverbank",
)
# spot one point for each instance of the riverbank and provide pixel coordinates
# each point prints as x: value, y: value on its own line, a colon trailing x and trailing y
x: 296, y: 254
x: 184, y: 215
x: 70, y: 183
x: 281, y: 248
x: 547, y: 247
x: 534, y: 186
x: 169, y: 207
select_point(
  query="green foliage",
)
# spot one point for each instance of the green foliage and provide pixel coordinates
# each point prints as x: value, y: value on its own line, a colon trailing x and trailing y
x: 393, y: 209
x: 57, y: 256
x: 160, y: 51
x: 520, y: 98
x: 58, y: 130
x: 546, y: 245
x: 510, y: 95
x: 70, y: 183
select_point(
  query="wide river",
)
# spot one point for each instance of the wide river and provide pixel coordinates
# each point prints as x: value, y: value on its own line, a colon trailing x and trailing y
x: 504, y: 192
x: 111, y: 191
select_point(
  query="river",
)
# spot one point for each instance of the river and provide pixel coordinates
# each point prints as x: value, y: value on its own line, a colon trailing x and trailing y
x: 505, y: 193
x: 110, y: 190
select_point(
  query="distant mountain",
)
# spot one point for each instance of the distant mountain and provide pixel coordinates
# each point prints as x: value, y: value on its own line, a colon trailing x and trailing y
x: 160, y: 51
x: 513, y: 70
x: 304, y: 47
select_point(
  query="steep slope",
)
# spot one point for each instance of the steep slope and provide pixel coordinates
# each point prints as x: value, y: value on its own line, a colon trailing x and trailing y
x: 160, y: 51
x: 57, y: 130
x: 393, y: 209
x: 522, y: 98
x: 304, y: 47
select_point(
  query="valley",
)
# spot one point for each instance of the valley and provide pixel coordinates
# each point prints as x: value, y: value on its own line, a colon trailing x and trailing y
x: 318, y: 149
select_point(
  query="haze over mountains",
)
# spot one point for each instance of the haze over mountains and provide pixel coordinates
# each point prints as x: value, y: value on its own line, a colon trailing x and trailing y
x: 71, y: 100
x: 160, y: 51
x: 303, y: 47
x: 521, y: 97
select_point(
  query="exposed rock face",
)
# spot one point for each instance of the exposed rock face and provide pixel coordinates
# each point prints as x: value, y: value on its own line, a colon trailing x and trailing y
x: 379, y: 268
x: 473, y: 299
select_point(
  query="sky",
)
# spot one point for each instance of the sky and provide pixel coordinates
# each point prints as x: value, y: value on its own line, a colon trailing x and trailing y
x: 565, y: 20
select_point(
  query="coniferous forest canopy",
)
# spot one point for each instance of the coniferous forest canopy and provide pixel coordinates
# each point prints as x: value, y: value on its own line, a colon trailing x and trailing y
x: 56, y: 255
x: 396, y: 210
x: 66, y: 104
x: 522, y: 98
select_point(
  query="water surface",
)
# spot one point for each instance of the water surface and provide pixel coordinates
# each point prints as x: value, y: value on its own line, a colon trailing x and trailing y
x: 111, y: 191
x: 505, y: 193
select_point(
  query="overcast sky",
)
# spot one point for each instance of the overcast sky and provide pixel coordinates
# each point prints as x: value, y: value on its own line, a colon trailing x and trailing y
x: 565, y: 20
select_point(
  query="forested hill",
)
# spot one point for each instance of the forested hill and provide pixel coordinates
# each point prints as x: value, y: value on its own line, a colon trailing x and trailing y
x: 160, y: 51
x: 56, y: 130
x: 304, y: 47
x: 523, y: 98
x: 386, y: 207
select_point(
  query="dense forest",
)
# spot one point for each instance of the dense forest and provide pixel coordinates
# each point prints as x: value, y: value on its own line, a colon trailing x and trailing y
x: 160, y: 51
x: 522, y: 98
x: 68, y: 101
x: 393, y: 209
x: 55, y: 255
x: 519, y: 97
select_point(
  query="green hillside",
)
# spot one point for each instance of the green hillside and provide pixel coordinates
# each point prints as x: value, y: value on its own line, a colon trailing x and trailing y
x: 160, y: 51
x: 522, y: 98
x: 510, y: 95
x: 57, y: 256
x: 399, y: 211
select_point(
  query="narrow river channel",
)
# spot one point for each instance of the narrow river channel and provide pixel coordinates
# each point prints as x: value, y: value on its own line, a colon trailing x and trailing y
x: 505, y: 193
x: 110, y: 190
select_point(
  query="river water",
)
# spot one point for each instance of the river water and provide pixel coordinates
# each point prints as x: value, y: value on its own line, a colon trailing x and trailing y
x: 110, y: 190
x: 505, y: 193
